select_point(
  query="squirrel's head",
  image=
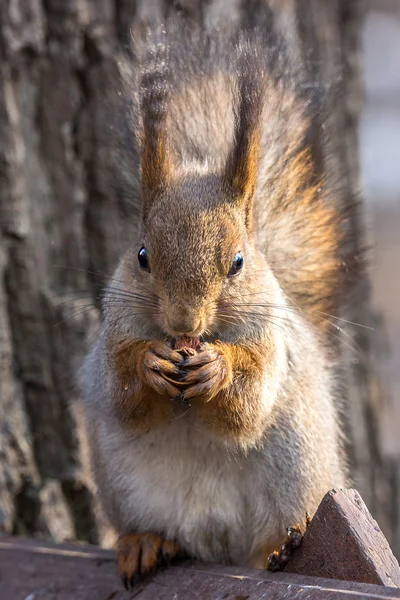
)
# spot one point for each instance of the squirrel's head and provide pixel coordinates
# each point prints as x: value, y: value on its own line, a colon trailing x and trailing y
x: 195, y: 251
x: 196, y: 245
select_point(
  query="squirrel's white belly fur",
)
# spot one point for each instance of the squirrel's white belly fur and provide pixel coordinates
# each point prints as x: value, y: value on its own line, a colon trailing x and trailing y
x: 180, y: 484
x: 221, y: 505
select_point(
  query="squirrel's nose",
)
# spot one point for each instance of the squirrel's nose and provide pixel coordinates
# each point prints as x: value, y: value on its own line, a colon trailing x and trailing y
x: 183, y: 323
x: 178, y: 329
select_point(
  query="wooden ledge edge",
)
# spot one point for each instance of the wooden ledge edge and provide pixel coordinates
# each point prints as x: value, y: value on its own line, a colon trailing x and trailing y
x: 43, y: 571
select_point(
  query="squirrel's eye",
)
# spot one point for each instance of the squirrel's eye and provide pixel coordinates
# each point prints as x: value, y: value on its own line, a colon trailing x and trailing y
x: 236, y: 265
x: 143, y: 260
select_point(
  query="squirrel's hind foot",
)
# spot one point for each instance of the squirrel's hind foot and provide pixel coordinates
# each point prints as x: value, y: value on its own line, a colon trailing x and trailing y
x: 140, y: 554
x: 278, y: 560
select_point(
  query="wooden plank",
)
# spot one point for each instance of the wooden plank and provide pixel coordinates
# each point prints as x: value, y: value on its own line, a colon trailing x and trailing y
x: 344, y: 541
x: 34, y: 571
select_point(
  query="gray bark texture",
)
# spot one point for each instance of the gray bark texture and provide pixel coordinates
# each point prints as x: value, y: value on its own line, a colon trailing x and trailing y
x: 65, y: 218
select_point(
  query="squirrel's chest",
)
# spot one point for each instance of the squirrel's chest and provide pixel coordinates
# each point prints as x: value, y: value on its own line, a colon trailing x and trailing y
x: 195, y: 492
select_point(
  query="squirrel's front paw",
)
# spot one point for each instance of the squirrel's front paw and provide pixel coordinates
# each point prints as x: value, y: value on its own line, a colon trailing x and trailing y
x: 207, y: 373
x: 159, y: 368
x: 141, y: 553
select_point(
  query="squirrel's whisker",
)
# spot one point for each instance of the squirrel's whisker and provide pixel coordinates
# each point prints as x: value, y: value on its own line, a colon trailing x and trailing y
x: 131, y: 293
x: 105, y: 275
x: 71, y: 300
x: 131, y: 298
x: 75, y: 314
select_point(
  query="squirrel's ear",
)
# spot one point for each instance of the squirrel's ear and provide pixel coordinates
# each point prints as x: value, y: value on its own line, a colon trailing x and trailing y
x: 156, y: 164
x: 242, y: 164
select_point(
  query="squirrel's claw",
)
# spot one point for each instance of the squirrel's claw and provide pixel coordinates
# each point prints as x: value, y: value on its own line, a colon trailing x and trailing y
x: 161, y: 384
x: 205, y: 357
x: 164, y: 350
x: 139, y: 554
x: 200, y: 376
x: 278, y: 560
x: 158, y: 368
x: 207, y: 374
x: 125, y: 581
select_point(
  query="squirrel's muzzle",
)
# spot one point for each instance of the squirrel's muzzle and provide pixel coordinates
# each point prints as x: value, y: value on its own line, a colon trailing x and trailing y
x: 184, y: 321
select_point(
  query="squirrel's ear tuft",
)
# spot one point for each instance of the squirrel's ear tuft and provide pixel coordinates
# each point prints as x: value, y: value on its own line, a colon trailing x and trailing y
x: 242, y: 164
x: 156, y: 165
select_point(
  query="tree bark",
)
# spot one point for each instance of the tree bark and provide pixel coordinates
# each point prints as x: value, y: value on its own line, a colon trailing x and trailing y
x: 65, y: 219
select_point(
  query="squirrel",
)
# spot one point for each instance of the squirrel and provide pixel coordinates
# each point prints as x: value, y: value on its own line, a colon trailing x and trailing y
x: 239, y: 252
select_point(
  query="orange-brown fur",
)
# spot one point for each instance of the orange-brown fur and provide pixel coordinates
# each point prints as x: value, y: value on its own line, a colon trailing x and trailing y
x: 137, y: 400
x: 156, y: 168
x: 314, y: 280
x: 242, y: 163
x: 222, y: 386
x: 223, y: 449
x: 218, y: 379
x: 141, y: 553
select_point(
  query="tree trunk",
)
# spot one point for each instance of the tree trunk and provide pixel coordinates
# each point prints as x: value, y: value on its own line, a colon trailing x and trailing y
x: 64, y: 221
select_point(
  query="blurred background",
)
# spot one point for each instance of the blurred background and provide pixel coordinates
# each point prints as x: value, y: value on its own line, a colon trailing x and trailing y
x: 66, y: 215
x: 379, y: 146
